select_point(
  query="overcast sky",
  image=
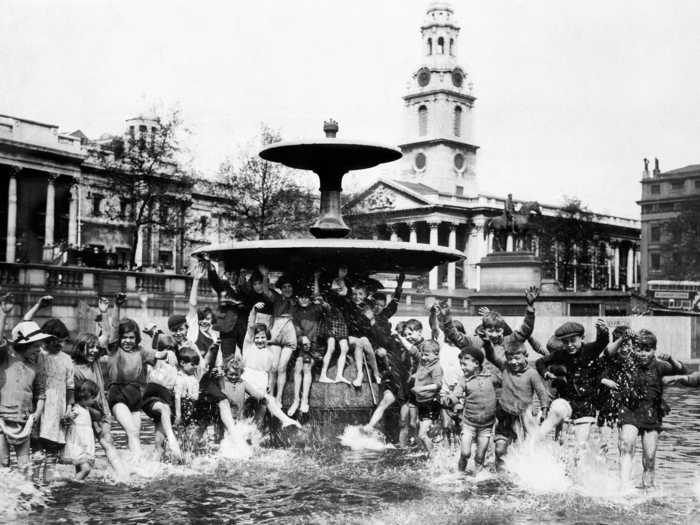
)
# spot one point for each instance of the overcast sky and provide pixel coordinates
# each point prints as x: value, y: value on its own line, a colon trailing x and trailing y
x: 571, y: 95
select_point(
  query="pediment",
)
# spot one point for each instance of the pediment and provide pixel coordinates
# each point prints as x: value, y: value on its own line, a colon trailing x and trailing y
x: 383, y: 196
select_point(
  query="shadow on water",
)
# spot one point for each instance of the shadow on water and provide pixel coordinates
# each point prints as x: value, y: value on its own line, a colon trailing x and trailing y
x: 323, y: 481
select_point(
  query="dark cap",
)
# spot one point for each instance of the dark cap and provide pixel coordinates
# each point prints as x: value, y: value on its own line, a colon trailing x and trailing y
x: 475, y: 353
x: 568, y: 329
x: 175, y: 321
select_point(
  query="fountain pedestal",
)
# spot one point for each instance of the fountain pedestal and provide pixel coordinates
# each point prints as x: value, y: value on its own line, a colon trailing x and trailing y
x: 508, y: 271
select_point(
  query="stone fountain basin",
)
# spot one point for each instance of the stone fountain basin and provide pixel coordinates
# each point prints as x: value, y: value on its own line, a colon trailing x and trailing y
x: 306, y: 255
x: 330, y: 154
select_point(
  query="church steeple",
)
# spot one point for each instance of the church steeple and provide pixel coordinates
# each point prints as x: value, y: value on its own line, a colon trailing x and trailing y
x: 439, y: 148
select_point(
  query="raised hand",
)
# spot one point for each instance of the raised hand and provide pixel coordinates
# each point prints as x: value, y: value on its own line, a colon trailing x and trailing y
x: 483, y: 311
x: 143, y: 296
x: 601, y: 326
x: 259, y: 306
x: 45, y: 301
x: 7, y: 302
x: 531, y: 295
x: 264, y: 270
x: 664, y: 356
x: 103, y: 304
x: 400, y: 280
x: 120, y: 299
x: 612, y: 385
x: 199, y: 272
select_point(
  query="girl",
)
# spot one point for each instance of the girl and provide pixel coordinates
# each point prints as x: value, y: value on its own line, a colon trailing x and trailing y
x: 58, y: 373
x: 86, y: 367
x: 21, y: 387
x: 337, y: 332
x: 80, y: 440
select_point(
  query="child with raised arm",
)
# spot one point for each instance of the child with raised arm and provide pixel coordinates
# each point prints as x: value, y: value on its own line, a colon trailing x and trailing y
x: 80, y: 439
x: 200, y: 321
x: 335, y: 330
x: 581, y: 369
x: 474, y: 400
x: 426, y: 389
x: 22, y: 391
x: 646, y: 417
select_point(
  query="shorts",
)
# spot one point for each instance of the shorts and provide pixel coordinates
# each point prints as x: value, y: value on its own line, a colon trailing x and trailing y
x: 507, y: 425
x: 471, y: 432
x: 428, y: 410
x: 310, y: 355
x: 283, y: 333
x: 258, y: 379
x: 187, y: 411
x: 394, y: 383
x: 334, y: 326
x: 206, y: 408
x: 128, y: 394
x: 582, y: 408
x: 155, y: 393
x: 647, y: 417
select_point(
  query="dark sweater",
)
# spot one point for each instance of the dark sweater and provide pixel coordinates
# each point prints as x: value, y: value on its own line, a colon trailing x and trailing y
x: 477, y: 394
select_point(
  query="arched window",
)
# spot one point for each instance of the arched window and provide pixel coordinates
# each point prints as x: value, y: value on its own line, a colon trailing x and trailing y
x: 430, y: 46
x: 422, y: 121
x: 457, y: 121
x: 441, y: 46
x: 452, y: 43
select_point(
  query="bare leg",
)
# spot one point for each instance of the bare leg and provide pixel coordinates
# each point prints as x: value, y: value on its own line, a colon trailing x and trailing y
x: 83, y: 471
x: 649, y: 443
x: 276, y: 354
x: 111, y: 453
x: 226, y: 415
x: 371, y: 360
x: 24, y: 464
x: 500, y: 450
x: 306, y: 389
x: 356, y: 343
x: 127, y: 421
x: 327, y: 361
x: 385, y: 402
x: 468, y: 435
x: 423, y: 428
x: 298, y: 364
x: 340, y: 367
x: 482, y: 445
x: 626, y: 444
x: 282, y: 372
x: 4, y: 452
x: 404, y: 425
x: 166, y: 424
x: 276, y: 410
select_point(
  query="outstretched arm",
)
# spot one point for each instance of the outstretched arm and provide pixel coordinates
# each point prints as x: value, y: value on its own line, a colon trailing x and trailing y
x: 393, y: 305
x: 525, y: 331
x: 43, y: 302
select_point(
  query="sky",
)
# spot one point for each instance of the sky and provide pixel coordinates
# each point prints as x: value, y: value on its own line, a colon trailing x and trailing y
x: 570, y: 95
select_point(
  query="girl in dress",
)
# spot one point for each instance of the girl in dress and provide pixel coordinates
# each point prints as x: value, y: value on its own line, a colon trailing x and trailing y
x: 80, y: 439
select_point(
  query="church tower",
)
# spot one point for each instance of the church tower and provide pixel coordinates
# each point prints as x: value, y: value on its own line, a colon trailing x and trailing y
x: 439, y: 149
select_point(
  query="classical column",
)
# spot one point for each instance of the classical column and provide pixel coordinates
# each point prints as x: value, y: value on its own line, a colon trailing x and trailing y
x: 451, y: 267
x: 636, y: 267
x: 375, y: 232
x: 433, y: 275
x: 489, y: 243
x: 509, y: 243
x: 412, y: 233
x: 155, y: 245
x: 630, y: 267
x: 616, y: 267
x: 394, y: 236
x: 73, y: 216
x: 476, y: 249
x: 12, y: 216
x: 49, y: 218
x: 138, y: 257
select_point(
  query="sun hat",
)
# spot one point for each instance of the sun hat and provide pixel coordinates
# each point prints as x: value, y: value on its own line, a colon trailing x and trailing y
x: 26, y: 332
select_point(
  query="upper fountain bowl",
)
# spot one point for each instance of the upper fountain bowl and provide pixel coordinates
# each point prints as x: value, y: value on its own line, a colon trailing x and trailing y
x: 330, y: 155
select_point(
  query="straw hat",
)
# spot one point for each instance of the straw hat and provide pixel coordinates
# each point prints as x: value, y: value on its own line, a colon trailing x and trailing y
x: 26, y: 332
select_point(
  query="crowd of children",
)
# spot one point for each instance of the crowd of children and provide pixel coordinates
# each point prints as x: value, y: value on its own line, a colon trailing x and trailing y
x: 212, y: 367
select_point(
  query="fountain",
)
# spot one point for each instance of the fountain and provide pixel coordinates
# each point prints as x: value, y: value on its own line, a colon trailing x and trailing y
x: 331, y: 158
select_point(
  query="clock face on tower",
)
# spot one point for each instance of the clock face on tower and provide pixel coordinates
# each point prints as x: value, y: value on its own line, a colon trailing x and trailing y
x: 423, y: 77
x: 457, y: 77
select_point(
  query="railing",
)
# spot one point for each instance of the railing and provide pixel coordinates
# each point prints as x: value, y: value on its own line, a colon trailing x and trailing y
x: 9, y: 275
x: 64, y: 278
x: 151, y: 283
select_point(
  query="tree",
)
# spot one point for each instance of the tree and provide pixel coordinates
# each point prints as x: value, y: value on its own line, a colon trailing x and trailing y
x: 265, y: 201
x: 681, y: 246
x: 147, y: 186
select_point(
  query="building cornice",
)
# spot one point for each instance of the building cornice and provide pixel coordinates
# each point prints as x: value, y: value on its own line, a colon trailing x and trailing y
x: 435, y: 142
x: 442, y: 91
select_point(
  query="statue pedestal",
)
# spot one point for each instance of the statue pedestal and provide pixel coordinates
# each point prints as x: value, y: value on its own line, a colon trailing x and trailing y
x: 508, y: 271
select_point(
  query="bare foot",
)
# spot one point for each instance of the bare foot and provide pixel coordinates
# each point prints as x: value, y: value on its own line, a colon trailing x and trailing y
x: 378, y: 379
x: 326, y: 379
x: 341, y: 379
x: 304, y: 407
x: 357, y: 383
x: 292, y: 409
x: 290, y: 422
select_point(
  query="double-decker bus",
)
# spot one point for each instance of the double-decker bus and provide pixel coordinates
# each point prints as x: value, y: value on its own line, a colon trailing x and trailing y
x: 680, y: 295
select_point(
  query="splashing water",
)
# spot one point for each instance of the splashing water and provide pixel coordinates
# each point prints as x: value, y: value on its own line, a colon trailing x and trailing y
x: 242, y: 442
x: 18, y: 495
x: 357, y: 438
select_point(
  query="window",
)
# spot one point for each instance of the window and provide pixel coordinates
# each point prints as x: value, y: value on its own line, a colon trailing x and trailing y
x: 655, y: 189
x: 441, y: 46
x: 165, y: 258
x: 584, y: 309
x: 677, y: 185
x: 459, y: 162
x: 459, y: 191
x: 647, y: 208
x: 123, y: 208
x: 203, y: 223
x: 655, y: 261
x: 666, y: 206
x: 697, y: 184
x: 422, y: 121
x: 164, y: 214
x: 96, y: 204
x: 420, y: 161
x: 430, y: 46
x: 452, y: 42
x: 457, y: 124
x: 655, y: 233
x: 131, y: 131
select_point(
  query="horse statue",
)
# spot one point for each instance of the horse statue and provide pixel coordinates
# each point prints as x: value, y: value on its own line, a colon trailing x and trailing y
x: 511, y: 222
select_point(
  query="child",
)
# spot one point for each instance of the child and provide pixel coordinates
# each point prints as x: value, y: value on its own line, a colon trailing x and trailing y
x: 258, y: 362
x: 645, y: 419
x: 383, y: 311
x: 514, y: 410
x: 86, y: 367
x: 200, y: 321
x: 23, y: 385
x: 158, y: 394
x: 58, y: 373
x: 475, y: 399
x: 426, y: 389
x: 186, y: 386
x: 580, y: 364
x: 307, y: 319
x: 80, y: 440
x: 336, y: 332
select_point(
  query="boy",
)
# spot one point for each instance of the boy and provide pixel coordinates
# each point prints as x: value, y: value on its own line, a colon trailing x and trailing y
x: 578, y: 361
x: 645, y: 419
x: 426, y: 389
x: 514, y: 409
x: 474, y: 399
x: 383, y: 311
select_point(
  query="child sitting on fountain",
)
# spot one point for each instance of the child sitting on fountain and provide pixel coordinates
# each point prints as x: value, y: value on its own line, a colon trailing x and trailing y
x: 645, y: 417
x: 307, y: 319
x: 474, y: 400
x: 336, y: 332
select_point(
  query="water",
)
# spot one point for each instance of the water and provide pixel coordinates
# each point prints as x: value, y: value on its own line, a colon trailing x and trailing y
x: 374, y: 483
